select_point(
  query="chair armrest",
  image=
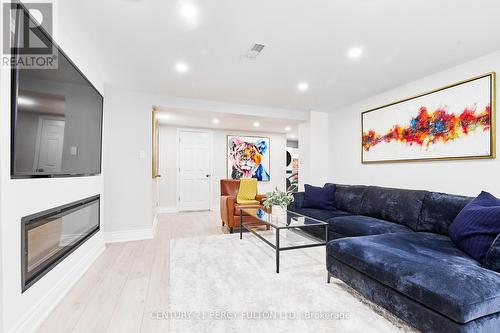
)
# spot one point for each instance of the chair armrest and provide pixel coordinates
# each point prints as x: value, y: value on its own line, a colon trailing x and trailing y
x: 227, y: 207
x: 260, y: 198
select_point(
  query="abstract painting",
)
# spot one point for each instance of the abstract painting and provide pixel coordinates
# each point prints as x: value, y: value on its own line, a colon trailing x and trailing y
x: 248, y: 157
x: 454, y: 122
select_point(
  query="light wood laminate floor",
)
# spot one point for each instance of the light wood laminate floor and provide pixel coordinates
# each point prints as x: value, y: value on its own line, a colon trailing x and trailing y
x: 128, y: 281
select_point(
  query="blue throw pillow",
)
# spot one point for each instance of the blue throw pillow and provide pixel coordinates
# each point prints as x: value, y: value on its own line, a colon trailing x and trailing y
x: 476, y: 226
x: 319, y: 197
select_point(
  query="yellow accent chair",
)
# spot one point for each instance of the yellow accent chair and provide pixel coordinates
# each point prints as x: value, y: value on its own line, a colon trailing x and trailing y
x: 235, y: 194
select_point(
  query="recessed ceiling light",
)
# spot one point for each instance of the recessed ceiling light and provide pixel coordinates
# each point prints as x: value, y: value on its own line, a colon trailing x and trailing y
x: 215, y: 121
x: 189, y: 11
x: 293, y: 136
x: 288, y: 128
x: 190, y: 14
x: 355, y: 52
x: 303, y: 86
x: 256, y: 124
x: 181, y: 67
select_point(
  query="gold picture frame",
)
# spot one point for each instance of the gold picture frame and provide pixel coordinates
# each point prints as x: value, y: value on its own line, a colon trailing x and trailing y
x: 155, y: 145
x: 492, y: 152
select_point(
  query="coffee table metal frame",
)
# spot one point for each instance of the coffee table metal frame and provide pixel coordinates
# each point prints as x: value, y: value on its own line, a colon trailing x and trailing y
x: 276, y: 246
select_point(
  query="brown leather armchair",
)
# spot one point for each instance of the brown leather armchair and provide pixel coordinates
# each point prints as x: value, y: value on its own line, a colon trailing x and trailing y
x: 229, y: 209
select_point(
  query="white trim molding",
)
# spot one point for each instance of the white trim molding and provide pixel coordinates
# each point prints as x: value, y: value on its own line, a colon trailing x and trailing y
x: 163, y: 210
x: 128, y: 235
x: 132, y: 235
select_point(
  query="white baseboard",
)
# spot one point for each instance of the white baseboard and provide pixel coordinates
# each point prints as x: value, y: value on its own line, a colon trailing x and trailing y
x: 132, y: 235
x: 162, y: 210
x: 173, y: 209
x: 35, y: 316
x: 128, y: 235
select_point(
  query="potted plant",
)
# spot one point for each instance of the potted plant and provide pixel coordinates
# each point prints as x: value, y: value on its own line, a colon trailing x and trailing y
x: 278, y: 200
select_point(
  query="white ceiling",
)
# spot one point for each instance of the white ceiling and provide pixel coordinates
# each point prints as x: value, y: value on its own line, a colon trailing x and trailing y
x: 138, y: 43
x: 227, y: 121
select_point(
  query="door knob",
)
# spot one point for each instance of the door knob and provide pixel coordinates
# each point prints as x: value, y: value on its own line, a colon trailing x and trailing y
x: 208, y: 176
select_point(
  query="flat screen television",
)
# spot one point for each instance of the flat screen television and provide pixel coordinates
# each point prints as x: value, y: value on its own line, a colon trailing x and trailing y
x: 56, y: 117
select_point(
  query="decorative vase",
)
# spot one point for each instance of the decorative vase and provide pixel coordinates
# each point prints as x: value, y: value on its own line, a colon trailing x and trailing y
x: 279, y: 209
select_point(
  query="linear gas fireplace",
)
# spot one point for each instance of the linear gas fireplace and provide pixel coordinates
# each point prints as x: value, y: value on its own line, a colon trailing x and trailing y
x: 50, y: 236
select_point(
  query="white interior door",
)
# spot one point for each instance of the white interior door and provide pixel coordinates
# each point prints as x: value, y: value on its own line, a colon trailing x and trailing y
x: 194, y: 170
x: 50, y: 145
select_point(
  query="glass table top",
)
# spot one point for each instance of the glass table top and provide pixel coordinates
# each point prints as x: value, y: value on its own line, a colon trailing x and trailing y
x: 282, y: 219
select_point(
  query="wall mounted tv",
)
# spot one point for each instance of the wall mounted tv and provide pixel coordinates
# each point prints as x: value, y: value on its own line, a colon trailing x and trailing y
x: 56, y: 118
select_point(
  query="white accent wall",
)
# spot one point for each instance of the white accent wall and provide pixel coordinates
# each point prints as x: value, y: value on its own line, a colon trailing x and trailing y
x: 466, y: 177
x: 168, y: 164
x: 21, y: 197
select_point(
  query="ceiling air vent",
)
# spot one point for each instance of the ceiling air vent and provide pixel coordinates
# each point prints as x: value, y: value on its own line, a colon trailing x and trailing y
x: 255, y: 50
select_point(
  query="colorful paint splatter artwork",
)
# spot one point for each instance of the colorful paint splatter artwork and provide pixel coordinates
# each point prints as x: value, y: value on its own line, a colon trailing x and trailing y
x: 454, y: 122
x: 429, y: 128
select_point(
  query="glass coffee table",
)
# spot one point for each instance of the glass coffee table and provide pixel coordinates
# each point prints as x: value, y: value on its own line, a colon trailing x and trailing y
x: 283, y: 230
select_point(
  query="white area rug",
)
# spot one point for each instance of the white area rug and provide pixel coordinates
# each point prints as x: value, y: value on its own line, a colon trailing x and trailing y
x: 224, y: 284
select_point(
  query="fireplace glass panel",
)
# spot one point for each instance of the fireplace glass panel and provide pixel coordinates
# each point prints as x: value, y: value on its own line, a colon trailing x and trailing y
x: 52, y: 236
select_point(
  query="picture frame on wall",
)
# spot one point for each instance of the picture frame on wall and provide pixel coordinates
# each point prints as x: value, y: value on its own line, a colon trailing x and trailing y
x: 248, y: 157
x: 450, y: 123
x: 155, y: 145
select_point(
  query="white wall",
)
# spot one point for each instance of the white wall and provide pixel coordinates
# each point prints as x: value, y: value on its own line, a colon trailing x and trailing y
x: 128, y: 184
x: 168, y: 163
x: 130, y: 191
x: 460, y: 177
x: 313, y: 150
x: 168, y: 168
x: 21, y: 197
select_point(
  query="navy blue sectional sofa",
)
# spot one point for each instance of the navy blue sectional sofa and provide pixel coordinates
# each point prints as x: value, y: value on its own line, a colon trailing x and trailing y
x: 392, y: 246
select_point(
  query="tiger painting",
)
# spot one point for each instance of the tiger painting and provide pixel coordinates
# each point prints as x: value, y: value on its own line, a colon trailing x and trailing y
x: 246, y: 157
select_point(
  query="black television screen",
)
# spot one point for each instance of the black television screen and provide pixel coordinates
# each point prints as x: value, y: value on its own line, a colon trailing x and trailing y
x: 56, y: 120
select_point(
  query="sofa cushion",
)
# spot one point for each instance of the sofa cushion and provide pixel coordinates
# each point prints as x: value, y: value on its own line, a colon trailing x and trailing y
x: 417, y: 315
x: 439, y: 210
x: 395, y: 205
x: 319, y: 197
x: 348, y: 197
x: 320, y: 214
x: 477, y: 225
x: 426, y: 267
x: 358, y: 225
